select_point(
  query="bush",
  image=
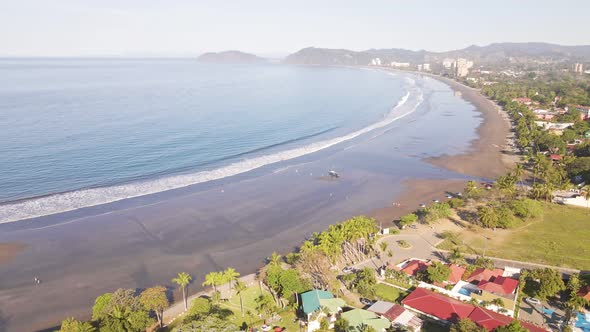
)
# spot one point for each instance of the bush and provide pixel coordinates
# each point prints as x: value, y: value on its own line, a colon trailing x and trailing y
x: 506, y: 218
x: 526, y: 208
x: 456, y: 202
x: 408, y: 219
x: 437, y: 211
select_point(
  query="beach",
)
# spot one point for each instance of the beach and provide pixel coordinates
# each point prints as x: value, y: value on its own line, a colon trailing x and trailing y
x: 145, y: 241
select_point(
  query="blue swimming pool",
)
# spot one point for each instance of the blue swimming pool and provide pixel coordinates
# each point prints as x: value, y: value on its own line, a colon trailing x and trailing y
x: 582, y: 322
x: 465, y: 291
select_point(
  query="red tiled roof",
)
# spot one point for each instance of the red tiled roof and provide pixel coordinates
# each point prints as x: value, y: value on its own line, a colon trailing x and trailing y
x: 484, y: 274
x: 491, y: 320
x: 394, y: 312
x: 414, y: 266
x: 555, y: 157
x: 449, y: 309
x: 584, y: 292
x: 437, y: 305
x: 499, y: 285
x: 456, y: 273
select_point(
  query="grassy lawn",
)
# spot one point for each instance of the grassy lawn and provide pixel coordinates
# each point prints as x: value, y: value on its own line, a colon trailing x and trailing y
x: 559, y: 237
x: 388, y: 293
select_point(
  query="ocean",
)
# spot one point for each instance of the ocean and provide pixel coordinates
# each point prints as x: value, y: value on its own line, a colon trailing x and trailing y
x: 83, y: 132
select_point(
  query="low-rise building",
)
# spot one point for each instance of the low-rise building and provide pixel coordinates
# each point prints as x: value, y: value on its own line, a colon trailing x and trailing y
x: 445, y: 309
x: 398, y: 315
x: 312, y: 301
x: 357, y: 318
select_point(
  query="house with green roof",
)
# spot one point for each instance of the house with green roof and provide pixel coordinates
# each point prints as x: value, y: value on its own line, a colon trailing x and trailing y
x: 360, y: 317
x: 313, y: 301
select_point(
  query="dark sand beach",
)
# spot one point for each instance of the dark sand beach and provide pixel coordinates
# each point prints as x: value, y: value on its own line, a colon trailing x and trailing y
x: 142, y: 242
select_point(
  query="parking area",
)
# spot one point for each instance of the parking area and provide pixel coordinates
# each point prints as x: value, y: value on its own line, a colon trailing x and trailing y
x: 543, y: 314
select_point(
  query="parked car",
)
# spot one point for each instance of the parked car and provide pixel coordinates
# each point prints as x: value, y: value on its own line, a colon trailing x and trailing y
x: 532, y: 300
x: 436, y: 200
x: 366, y: 301
x: 422, y: 205
x: 347, y: 269
x: 413, y: 226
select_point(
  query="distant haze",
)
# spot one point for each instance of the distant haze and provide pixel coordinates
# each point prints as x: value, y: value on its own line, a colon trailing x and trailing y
x: 270, y: 28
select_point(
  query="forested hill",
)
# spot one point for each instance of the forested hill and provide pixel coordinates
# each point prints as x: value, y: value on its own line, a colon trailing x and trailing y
x: 492, y: 53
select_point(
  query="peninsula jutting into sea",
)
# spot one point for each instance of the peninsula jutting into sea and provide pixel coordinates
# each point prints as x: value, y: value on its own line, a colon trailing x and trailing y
x: 150, y: 182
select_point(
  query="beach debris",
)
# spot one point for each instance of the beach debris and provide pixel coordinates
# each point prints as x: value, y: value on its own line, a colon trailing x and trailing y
x: 333, y: 174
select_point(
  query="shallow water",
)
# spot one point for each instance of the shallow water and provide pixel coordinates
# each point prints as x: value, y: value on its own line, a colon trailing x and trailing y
x: 87, y: 132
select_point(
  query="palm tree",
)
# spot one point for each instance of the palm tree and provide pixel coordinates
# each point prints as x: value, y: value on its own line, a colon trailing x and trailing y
x: 230, y: 275
x: 240, y: 287
x: 274, y: 259
x: 498, y: 302
x: 213, y: 279
x: 487, y: 216
x: 456, y: 256
x: 122, y: 316
x: 182, y: 280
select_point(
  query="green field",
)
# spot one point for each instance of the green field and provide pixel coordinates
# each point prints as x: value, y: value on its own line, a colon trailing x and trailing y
x: 561, y: 237
x: 388, y: 293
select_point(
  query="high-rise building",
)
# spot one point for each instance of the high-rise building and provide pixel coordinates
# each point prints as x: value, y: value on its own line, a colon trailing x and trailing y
x: 448, y: 63
x: 376, y: 62
x: 461, y: 67
x: 426, y: 67
x: 578, y: 68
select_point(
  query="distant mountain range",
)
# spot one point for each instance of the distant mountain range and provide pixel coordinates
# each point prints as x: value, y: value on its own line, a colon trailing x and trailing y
x: 230, y: 57
x: 493, y: 53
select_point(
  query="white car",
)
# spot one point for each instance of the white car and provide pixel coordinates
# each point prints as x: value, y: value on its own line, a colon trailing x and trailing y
x: 532, y: 300
x: 347, y: 269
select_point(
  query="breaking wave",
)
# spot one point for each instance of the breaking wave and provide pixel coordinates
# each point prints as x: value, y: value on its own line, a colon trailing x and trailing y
x: 68, y: 201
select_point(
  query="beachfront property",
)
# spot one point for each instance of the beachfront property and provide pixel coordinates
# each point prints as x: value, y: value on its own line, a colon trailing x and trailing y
x: 375, y: 62
x: 544, y: 114
x: 497, y: 288
x: 398, y: 315
x: 446, y: 311
x: 400, y: 64
x: 317, y: 304
x: 553, y: 127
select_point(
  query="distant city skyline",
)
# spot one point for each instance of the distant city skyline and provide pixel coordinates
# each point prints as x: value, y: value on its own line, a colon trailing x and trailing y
x: 267, y: 28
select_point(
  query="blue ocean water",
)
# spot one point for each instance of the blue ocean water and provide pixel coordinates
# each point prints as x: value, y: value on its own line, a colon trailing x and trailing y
x: 83, y: 132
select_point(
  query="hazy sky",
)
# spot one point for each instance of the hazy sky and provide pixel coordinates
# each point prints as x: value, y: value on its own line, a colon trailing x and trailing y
x: 183, y: 27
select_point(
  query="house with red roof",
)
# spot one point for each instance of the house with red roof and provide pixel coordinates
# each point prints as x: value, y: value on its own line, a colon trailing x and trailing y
x: 499, y: 285
x: 584, y: 292
x: 413, y: 266
x: 440, y: 307
x: 397, y: 314
x: 437, y: 306
x: 481, y: 273
x: 491, y: 320
x: 457, y: 272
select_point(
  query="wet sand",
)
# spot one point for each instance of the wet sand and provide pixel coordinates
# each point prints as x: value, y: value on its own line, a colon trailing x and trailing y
x: 485, y: 158
x: 8, y: 251
x: 143, y: 242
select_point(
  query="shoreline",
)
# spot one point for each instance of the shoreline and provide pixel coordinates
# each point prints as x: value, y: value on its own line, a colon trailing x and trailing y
x: 484, y: 157
x: 228, y: 231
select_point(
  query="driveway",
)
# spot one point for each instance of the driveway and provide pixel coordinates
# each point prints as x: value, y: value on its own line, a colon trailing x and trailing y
x: 546, y: 314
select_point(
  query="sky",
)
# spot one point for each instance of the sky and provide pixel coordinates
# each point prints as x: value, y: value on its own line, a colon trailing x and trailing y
x: 277, y: 28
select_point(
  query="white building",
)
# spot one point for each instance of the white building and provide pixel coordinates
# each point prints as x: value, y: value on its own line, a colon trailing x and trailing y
x: 448, y: 63
x: 461, y: 67
x: 426, y: 67
x: 400, y: 64
x: 376, y: 62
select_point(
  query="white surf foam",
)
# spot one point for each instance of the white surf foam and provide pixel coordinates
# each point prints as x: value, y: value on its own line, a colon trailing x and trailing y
x: 69, y: 201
